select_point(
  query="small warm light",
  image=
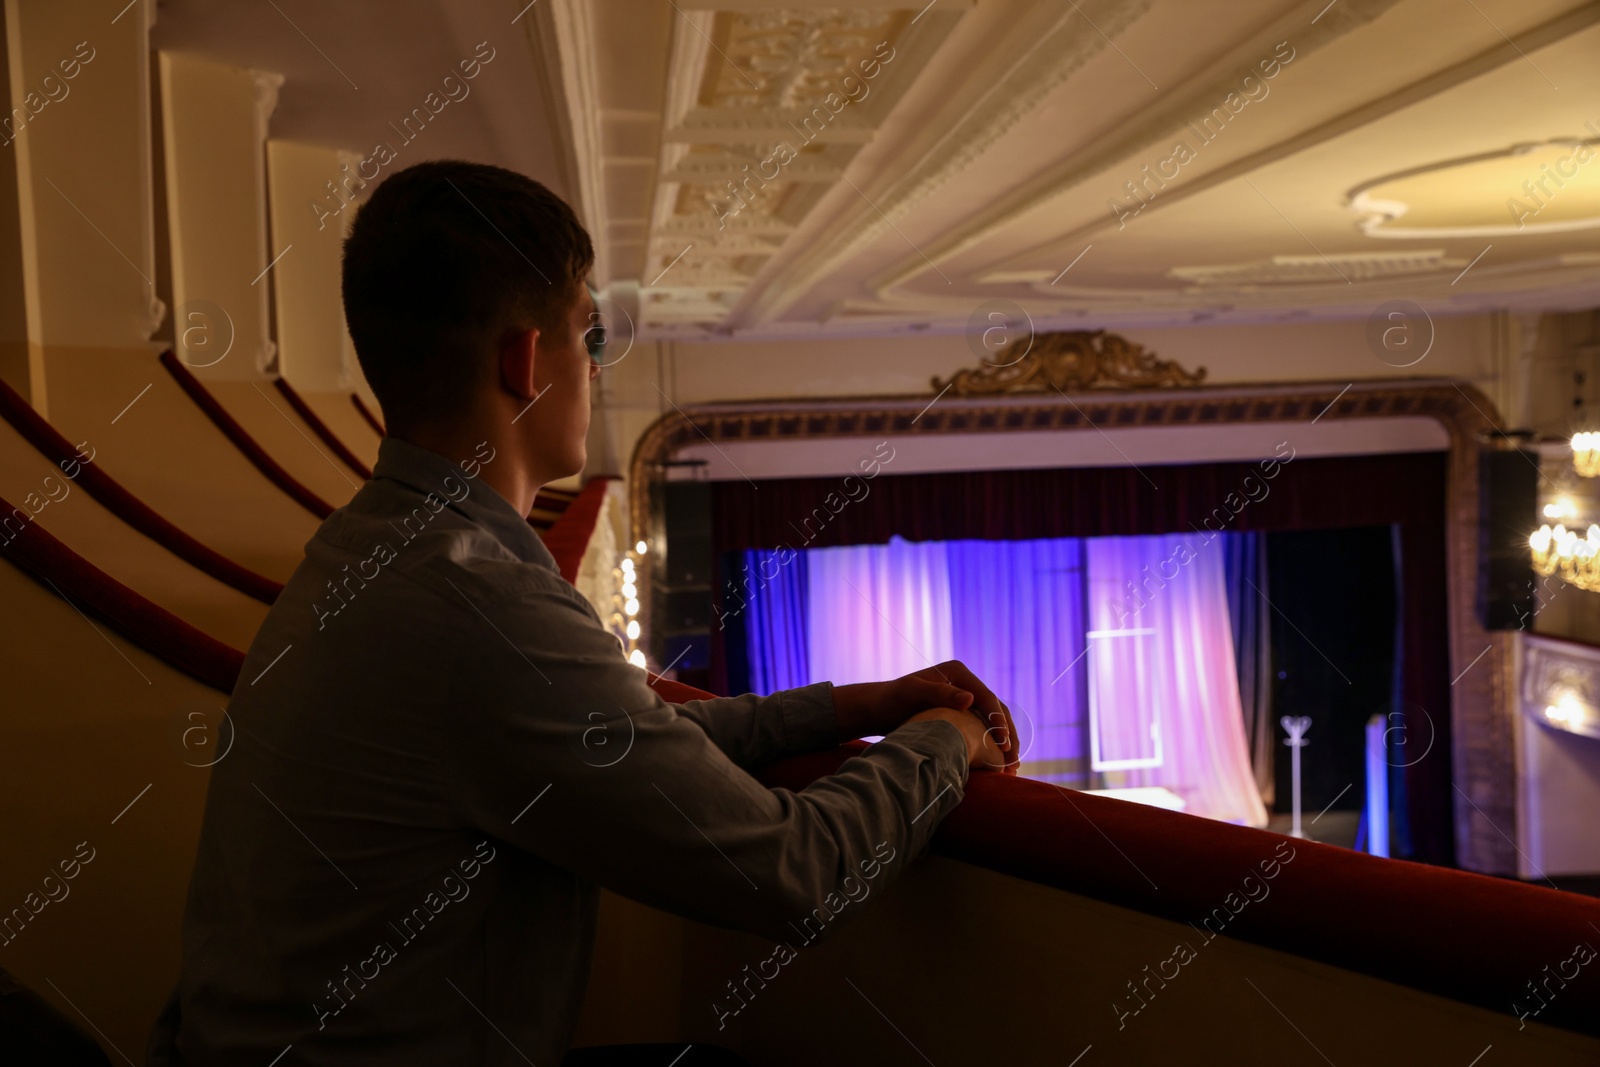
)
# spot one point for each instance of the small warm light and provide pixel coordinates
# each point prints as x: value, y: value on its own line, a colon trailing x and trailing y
x: 629, y: 590
x: 631, y: 607
x: 636, y: 657
x: 1569, y: 709
x: 627, y: 568
x: 1562, y: 508
x: 1586, y: 454
x: 633, y: 629
x: 641, y: 548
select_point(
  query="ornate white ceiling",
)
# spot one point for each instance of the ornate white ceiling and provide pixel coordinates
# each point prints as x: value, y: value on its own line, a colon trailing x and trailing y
x: 1113, y: 163
x: 794, y: 169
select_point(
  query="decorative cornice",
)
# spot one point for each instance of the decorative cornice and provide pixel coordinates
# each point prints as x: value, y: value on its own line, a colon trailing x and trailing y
x: 155, y: 313
x: 563, y: 35
x: 266, y: 84
x: 1071, y: 362
x: 912, y: 416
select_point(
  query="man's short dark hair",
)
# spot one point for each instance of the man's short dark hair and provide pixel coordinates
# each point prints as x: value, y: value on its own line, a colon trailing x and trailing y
x: 442, y: 260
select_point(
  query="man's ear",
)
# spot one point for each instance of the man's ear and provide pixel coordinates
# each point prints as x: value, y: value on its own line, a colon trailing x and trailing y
x: 518, y: 356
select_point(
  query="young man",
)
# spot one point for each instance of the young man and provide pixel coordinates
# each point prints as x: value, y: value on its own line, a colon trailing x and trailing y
x: 401, y: 855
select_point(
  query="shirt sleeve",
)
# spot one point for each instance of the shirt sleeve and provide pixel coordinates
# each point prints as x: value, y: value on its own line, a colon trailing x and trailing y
x: 752, y: 730
x: 562, y: 749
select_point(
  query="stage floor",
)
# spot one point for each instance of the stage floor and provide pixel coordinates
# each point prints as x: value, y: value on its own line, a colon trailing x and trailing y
x: 1334, y: 828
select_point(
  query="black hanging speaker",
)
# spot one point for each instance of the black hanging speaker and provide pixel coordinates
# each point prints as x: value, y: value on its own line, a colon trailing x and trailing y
x: 1508, y: 511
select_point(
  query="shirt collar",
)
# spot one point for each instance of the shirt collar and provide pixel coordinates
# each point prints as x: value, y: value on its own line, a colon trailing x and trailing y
x: 426, y: 471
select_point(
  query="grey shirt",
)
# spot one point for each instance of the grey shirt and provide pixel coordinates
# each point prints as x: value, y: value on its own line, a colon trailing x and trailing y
x: 440, y: 755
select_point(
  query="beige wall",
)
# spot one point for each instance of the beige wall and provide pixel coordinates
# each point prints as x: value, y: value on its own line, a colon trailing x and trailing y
x: 214, y: 126
x: 314, y: 350
x: 82, y: 242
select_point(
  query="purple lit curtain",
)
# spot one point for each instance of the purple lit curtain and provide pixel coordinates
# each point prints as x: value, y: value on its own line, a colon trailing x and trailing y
x: 1115, y: 649
x: 1163, y: 684
x: 1011, y: 610
x: 774, y: 618
x: 1017, y: 620
x: 877, y: 611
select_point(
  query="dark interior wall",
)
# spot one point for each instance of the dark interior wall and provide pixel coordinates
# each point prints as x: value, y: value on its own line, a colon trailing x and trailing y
x: 682, y: 619
x: 13, y: 304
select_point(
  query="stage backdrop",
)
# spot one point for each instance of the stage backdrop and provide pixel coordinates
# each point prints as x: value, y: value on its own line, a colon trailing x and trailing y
x: 1142, y: 686
x: 1406, y: 490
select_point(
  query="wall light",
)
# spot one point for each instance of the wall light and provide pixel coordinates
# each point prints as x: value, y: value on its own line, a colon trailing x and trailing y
x: 1586, y: 454
x: 1568, y: 710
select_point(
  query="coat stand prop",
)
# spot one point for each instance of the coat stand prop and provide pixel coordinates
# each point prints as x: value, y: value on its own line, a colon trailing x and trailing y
x: 1297, y: 725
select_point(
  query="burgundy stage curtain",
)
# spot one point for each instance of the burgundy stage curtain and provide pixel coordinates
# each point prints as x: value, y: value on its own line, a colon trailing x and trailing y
x: 1406, y: 490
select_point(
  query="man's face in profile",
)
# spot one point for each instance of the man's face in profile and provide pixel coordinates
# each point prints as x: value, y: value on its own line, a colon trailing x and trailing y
x: 567, y: 369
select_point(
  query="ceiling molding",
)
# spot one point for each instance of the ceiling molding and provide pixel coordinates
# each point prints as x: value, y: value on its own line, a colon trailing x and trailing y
x: 1565, y: 281
x: 1381, y: 209
x: 562, y: 35
x: 1308, y: 269
x: 1355, y: 291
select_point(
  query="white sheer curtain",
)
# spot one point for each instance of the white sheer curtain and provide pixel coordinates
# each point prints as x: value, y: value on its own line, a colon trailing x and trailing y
x: 876, y: 612
x: 1164, y: 692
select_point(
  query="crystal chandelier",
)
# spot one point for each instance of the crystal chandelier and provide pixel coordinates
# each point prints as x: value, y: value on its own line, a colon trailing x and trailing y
x: 1586, y: 454
x: 1561, y: 551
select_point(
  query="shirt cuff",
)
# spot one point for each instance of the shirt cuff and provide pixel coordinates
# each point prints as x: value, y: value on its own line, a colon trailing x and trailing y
x: 809, y: 719
x: 939, y: 739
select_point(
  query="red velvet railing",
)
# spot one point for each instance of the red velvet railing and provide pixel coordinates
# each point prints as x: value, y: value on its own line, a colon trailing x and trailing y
x: 321, y: 429
x: 242, y: 440
x: 94, y: 592
x: 372, y: 420
x: 1464, y: 936
x: 38, y: 432
x: 570, y: 534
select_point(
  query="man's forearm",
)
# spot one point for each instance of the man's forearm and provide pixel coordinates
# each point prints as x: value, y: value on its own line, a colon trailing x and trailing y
x: 752, y: 730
